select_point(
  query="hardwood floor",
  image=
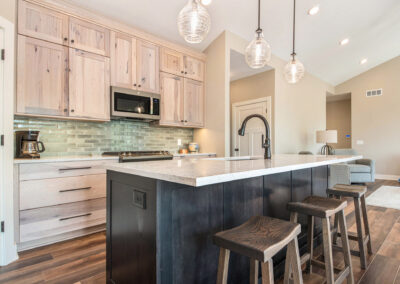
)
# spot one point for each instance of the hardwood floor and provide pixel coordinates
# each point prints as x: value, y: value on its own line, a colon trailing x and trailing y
x: 83, y: 260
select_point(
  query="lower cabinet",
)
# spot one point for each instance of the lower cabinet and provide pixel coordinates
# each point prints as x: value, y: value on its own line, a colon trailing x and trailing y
x: 62, y: 200
x: 182, y: 101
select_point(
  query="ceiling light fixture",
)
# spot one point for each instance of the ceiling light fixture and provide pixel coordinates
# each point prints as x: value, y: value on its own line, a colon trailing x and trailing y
x: 258, y: 52
x: 206, y: 2
x: 363, y: 61
x: 294, y: 70
x: 344, y: 41
x: 194, y: 22
x: 314, y: 10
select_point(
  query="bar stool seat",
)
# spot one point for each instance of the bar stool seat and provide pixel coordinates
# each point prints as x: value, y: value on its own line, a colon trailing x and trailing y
x: 348, y: 190
x: 357, y: 192
x: 260, y: 238
x: 322, y: 207
x: 317, y: 206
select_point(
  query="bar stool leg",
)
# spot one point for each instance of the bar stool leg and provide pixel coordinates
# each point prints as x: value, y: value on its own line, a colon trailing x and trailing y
x: 310, y: 241
x: 366, y: 224
x: 223, y: 265
x: 267, y: 270
x: 346, y: 246
x: 293, y: 247
x: 327, y: 239
x: 360, y: 233
x: 335, y: 223
x: 253, y: 271
x: 288, y: 270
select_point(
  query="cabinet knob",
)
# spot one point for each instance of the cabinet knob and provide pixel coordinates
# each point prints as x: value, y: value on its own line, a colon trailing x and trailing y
x: 182, y: 72
x: 185, y: 121
x: 65, y: 110
x: 72, y: 41
x: 182, y: 120
x: 185, y: 72
x: 135, y: 85
x: 139, y: 85
x: 65, y: 39
x: 72, y: 110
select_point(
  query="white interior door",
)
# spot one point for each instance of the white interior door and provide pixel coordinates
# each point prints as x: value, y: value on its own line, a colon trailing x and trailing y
x: 251, y: 143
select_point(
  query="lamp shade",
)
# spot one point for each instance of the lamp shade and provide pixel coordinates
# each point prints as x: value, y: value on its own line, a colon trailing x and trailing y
x: 327, y: 136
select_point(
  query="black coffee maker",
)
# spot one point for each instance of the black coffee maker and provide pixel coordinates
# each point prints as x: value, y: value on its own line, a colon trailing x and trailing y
x: 28, y: 145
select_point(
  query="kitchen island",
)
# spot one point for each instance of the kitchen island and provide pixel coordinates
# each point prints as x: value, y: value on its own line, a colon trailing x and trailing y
x: 161, y: 215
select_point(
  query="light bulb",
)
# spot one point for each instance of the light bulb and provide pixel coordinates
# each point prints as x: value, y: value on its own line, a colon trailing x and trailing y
x: 194, y: 22
x: 258, y: 52
x: 294, y: 71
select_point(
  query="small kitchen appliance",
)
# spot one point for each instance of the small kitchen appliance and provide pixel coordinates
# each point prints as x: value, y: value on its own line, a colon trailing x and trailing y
x: 28, y: 144
x: 140, y: 156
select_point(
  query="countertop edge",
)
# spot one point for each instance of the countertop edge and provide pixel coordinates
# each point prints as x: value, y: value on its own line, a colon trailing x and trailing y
x: 221, y: 178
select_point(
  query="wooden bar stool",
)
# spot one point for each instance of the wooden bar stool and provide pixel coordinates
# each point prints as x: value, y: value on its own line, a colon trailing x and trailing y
x: 260, y: 238
x: 321, y: 207
x: 357, y: 192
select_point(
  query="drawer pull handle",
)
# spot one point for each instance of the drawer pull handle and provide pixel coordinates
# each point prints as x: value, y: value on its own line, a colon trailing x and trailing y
x: 73, y: 169
x: 73, y: 217
x: 75, y: 189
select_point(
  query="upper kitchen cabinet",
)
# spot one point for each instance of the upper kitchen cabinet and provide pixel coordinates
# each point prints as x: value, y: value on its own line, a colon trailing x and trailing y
x: 41, y: 77
x: 171, y: 100
x: 193, y: 103
x: 89, y: 85
x: 123, y: 61
x: 89, y: 37
x: 42, y: 23
x: 148, y: 67
x: 194, y: 68
x: 172, y: 61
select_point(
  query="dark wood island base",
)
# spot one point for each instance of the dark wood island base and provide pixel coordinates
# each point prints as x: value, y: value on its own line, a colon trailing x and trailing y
x: 161, y: 232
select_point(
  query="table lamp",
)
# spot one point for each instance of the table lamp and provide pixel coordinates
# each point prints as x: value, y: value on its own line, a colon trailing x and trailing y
x: 325, y: 137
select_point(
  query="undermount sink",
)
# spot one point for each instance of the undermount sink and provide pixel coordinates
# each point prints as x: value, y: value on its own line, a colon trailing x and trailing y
x: 241, y: 158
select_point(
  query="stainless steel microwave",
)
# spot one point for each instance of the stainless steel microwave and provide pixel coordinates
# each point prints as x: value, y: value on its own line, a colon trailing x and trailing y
x: 126, y: 103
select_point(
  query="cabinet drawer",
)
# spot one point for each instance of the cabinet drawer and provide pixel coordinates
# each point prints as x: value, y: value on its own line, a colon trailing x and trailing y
x: 54, y: 220
x: 48, y: 192
x: 65, y: 169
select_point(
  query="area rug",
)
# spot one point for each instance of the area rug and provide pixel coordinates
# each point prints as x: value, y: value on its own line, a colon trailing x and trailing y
x: 385, y: 196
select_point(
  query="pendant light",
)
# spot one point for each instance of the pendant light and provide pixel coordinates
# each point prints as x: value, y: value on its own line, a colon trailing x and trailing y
x: 194, y: 22
x: 294, y: 70
x: 258, y: 52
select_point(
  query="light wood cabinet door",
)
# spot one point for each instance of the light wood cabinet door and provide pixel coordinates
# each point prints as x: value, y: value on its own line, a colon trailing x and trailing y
x: 148, y: 67
x: 89, y: 85
x: 194, y: 68
x: 172, y: 61
x: 123, y: 61
x: 171, y: 100
x: 89, y: 37
x: 42, y: 23
x: 41, y: 77
x: 193, y: 103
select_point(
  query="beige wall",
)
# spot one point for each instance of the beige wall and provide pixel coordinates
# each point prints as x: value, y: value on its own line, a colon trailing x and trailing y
x: 376, y: 120
x: 338, y: 117
x: 214, y: 138
x: 8, y: 9
x: 300, y: 110
x: 257, y: 86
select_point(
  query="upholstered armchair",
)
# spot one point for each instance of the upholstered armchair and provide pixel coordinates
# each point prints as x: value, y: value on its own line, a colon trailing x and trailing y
x: 359, y: 171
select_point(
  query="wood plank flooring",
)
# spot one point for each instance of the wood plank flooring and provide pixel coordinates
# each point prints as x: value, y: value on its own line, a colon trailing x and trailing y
x: 82, y: 260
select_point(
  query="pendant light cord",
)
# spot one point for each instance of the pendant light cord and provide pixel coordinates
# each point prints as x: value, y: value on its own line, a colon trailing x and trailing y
x: 294, y: 27
x: 259, y: 30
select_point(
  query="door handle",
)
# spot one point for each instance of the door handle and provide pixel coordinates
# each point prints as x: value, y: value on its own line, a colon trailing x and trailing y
x: 73, y: 217
x: 236, y: 149
x: 73, y: 169
x: 75, y: 189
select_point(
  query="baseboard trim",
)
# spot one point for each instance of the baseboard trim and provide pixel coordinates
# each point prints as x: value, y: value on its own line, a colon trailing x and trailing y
x: 387, y: 177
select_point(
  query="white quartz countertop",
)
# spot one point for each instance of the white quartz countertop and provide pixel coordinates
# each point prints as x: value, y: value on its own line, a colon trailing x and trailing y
x: 195, y: 155
x: 51, y: 159
x: 200, y: 172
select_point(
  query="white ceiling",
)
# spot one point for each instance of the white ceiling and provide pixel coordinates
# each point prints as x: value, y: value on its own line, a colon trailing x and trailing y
x: 373, y: 27
x: 239, y: 68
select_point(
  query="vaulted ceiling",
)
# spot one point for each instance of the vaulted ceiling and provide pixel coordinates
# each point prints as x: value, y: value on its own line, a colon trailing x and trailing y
x: 373, y: 27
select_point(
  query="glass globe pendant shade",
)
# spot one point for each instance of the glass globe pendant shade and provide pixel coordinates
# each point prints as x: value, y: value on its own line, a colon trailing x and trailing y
x: 258, y: 52
x: 294, y: 71
x: 194, y: 22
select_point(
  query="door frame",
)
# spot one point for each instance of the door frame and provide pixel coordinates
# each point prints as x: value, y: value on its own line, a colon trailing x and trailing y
x: 8, y: 247
x: 268, y: 100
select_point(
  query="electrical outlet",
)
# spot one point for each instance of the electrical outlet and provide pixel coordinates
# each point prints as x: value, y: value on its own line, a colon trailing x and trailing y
x: 360, y: 142
x: 179, y: 142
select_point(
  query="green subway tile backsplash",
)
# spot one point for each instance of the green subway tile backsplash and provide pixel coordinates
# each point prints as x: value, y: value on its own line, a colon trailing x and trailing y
x: 81, y: 138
